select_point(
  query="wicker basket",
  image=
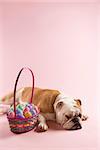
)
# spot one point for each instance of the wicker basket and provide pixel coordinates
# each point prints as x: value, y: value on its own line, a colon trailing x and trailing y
x: 22, y: 125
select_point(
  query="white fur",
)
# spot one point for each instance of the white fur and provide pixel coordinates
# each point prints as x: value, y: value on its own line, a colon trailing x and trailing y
x: 68, y: 109
x: 59, y: 115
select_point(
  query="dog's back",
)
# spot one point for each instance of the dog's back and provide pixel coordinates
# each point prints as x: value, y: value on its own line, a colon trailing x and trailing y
x: 43, y: 98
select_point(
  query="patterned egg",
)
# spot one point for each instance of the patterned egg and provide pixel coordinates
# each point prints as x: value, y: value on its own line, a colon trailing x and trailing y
x: 11, y: 114
x: 27, y: 114
x: 33, y: 111
x: 18, y: 115
x: 19, y: 106
x: 29, y: 106
x: 37, y: 110
x: 26, y: 109
x: 19, y: 111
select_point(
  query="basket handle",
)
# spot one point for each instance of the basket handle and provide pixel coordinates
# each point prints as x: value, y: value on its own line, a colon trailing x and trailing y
x: 16, y: 87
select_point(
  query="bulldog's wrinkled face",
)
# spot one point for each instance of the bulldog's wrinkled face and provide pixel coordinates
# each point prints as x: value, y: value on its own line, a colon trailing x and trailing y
x: 68, y: 113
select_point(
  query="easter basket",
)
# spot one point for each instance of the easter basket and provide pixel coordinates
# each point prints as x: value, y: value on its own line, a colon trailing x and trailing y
x: 18, y: 122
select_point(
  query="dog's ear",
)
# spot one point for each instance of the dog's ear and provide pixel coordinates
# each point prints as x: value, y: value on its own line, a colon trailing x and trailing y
x: 78, y: 101
x: 59, y: 105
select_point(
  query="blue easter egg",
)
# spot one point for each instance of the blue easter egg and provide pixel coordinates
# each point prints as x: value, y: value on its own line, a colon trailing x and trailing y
x: 18, y: 111
x: 20, y: 116
x: 33, y: 112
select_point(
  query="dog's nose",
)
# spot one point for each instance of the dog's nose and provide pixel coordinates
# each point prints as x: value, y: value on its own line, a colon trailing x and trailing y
x: 75, y: 120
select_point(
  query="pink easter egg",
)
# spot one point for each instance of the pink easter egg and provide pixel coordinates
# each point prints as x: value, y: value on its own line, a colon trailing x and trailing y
x: 37, y: 109
x: 26, y: 110
x: 11, y: 115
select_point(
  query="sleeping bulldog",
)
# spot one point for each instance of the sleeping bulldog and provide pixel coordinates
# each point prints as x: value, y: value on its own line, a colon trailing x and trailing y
x: 53, y: 106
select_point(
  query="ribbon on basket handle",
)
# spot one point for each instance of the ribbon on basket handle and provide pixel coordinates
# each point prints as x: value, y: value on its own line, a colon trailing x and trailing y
x: 17, y: 83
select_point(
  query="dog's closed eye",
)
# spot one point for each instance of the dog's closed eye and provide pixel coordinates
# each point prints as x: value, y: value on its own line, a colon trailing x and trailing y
x: 59, y: 105
x: 68, y: 117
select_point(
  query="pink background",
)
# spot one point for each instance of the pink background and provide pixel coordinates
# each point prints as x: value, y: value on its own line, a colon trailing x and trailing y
x: 60, y: 42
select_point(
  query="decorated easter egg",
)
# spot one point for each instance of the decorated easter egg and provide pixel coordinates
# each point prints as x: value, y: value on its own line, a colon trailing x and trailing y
x: 19, y: 111
x: 11, y: 114
x: 37, y: 110
x: 33, y: 111
x: 18, y: 115
x: 19, y: 106
x: 27, y: 114
x: 29, y: 106
x: 26, y: 109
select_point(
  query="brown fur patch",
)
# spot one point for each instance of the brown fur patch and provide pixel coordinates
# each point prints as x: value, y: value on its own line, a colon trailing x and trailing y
x: 43, y: 98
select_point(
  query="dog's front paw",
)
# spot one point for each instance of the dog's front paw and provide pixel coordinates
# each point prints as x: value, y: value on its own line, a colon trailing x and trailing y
x: 42, y: 127
x: 84, y: 117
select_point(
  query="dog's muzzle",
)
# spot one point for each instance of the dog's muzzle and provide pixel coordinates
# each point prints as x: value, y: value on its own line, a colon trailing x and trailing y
x: 76, y: 125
